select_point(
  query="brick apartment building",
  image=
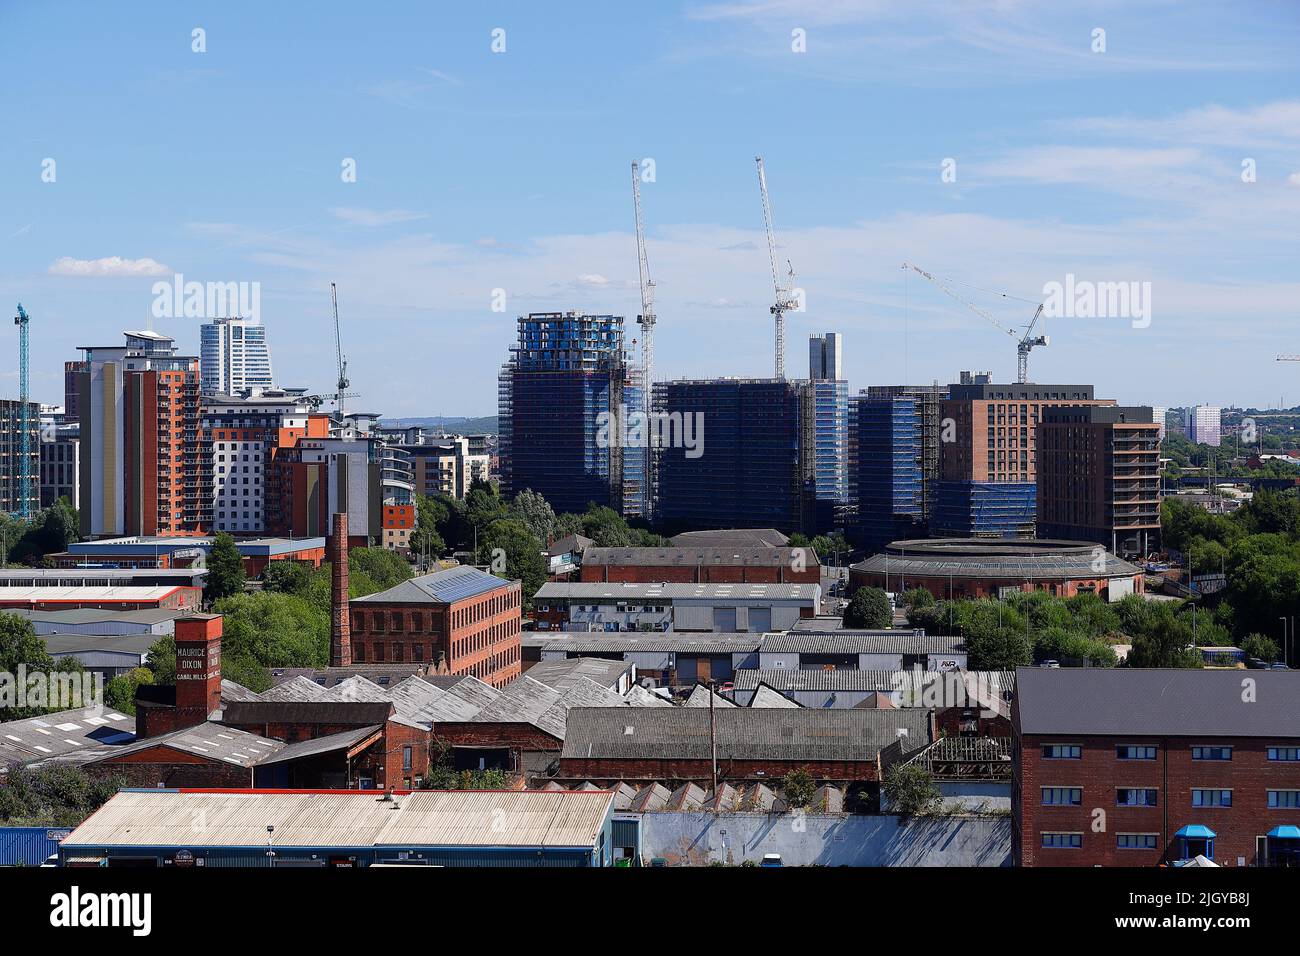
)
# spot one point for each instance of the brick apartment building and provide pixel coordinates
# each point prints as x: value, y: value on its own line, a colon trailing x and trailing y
x: 1119, y: 767
x: 988, y: 471
x: 702, y: 565
x: 1099, y: 477
x: 463, y: 621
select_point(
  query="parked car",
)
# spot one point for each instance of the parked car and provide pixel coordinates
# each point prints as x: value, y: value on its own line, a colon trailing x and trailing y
x: 772, y: 859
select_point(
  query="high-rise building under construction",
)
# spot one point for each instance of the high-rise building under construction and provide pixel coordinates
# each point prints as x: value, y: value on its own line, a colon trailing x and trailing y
x: 562, y: 399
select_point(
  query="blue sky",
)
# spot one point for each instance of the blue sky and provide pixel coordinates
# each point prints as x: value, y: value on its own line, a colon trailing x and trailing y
x: 479, y: 171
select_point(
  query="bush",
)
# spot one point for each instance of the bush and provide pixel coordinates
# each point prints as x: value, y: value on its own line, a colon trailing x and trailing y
x: 911, y: 790
x: 869, y: 609
x: 798, y: 787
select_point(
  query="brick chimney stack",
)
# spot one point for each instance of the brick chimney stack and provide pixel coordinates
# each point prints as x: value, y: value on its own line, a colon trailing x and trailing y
x: 198, y: 668
x: 341, y: 631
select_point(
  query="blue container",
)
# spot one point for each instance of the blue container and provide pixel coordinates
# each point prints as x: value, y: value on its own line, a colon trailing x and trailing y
x: 29, y: 846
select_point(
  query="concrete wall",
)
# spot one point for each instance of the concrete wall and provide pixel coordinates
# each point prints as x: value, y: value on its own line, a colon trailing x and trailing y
x: 698, y: 839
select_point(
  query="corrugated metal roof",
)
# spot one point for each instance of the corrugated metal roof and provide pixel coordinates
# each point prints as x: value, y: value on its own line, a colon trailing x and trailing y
x: 426, y: 818
x: 765, y: 696
x: 299, y: 688
x: 134, y: 645
x: 37, y: 738
x: 671, y: 642
x: 323, y: 745
x: 212, y: 741
x: 1137, y: 702
x: 767, y: 734
x: 561, y: 674
x: 732, y: 537
x: 699, y: 697
x: 843, y: 679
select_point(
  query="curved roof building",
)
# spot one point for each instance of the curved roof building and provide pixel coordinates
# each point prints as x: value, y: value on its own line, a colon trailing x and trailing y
x: 987, y: 567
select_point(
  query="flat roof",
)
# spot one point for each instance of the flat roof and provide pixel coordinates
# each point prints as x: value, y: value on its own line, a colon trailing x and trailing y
x: 142, y: 543
x: 595, y: 590
x: 767, y: 556
x: 350, y: 818
x: 862, y: 642
x: 71, y: 594
x: 624, y: 642
x: 1007, y: 558
x: 1158, y: 702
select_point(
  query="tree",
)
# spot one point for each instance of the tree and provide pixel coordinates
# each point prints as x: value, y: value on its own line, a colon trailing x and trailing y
x: 59, y: 796
x: 1166, y: 643
x: 917, y: 598
x: 536, y: 514
x: 273, y: 630
x: 425, y: 539
x: 119, y: 693
x: 798, y: 787
x: 288, y: 577
x: 869, y: 608
x: 911, y: 790
x: 1260, y: 647
x: 386, y: 568
x: 510, y: 539
x: 22, y: 655
x: 225, y: 568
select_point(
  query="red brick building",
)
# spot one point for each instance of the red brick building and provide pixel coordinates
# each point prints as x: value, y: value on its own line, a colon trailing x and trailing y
x: 196, y: 695
x: 1120, y: 767
x: 702, y: 565
x: 609, y: 744
x: 462, y: 620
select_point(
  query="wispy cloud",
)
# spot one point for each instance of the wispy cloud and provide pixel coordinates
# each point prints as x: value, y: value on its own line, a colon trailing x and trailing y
x: 357, y: 216
x: 108, y: 266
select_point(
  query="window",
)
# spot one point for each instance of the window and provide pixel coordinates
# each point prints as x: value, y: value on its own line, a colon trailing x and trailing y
x: 1211, y: 753
x: 1135, y: 797
x: 1136, y: 841
x: 1062, y: 751
x: 1062, y: 841
x: 406, y: 757
x: 1284, y: 753
x: 1278, y: 799
x: 1211, y: 798
x: 1135, y: 753
x: 1062, y: 796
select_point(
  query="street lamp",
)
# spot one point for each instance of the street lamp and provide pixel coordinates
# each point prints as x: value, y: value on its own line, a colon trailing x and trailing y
x: 270, y: 851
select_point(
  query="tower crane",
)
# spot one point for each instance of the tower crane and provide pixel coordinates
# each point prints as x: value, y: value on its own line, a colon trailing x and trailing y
x: 786, y: 299
x: 647, y: 317
x: 341, y: 392
x: 22, y: 320
x: 1025, y: 343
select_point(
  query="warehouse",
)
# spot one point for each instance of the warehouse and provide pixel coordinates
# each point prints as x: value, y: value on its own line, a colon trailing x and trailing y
x: 611, y: 744
x: 674, y: 659
x: 327, y: 828
x: 951, y: 568
x: 819, y: 644
x: 757, y: 564
x: 109, y: 656
x: 188, y: 552
x: 723, y: 608
x: 101, y: 623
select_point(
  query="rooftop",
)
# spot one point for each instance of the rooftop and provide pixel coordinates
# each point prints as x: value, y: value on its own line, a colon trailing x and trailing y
x: 861, y: 642
x: 732, y: 537
x: 1157, y: 702
x: 440, y: 587
x: 595, y: 591
x: 210, y: 741
x: 423, y: 818
x: 774, y: 733
x: 700, y: 555
x: 36, y: 738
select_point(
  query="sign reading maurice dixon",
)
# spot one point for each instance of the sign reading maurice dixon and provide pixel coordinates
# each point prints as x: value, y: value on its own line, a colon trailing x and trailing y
x: 198, y: 663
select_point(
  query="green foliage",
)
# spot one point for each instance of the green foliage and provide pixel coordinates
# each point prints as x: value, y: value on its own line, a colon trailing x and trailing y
x: 911, y: 790
x: 425, y: 539
x: 798, y: 787
x: 20, y: 647
x: 48, y: 532
x: 384, y: 567
x: 272, y: 630
x: 161, y: 660
x: 1261, y: 647
x: 52, y: 796
x: 287, y: 577
x: 917, y: 598
x: 225, y: 568
x: 119, y: 693
x: 868, y: 608
x: 997, y: 633
x: 535, y: 513
x: 512, y: 540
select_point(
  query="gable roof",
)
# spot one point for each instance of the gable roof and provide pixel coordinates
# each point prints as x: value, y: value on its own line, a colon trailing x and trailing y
x: 440, y: 587
x: 212, y: 741
x: 765, y: 696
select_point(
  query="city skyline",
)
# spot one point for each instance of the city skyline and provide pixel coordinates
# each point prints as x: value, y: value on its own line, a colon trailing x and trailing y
x: 1117, y: 166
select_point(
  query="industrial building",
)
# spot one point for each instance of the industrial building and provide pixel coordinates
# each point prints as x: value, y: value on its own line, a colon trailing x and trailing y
x: 566, y: 375
x: 823, y: 643
x: 755, y: 461
x: 611, y: 744
x: 673, y: 659
x: 351, y: 829
x: 463, y: 620
x: 1099, y: 477
x: 185, y: 553
x: 988, y: 471
x: 673, y: 607
x: 1185, y: 762
x: 952, y: 568
x: 701, y: 565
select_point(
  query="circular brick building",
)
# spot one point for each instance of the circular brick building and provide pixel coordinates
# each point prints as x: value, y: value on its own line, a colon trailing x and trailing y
x: 989, y: 567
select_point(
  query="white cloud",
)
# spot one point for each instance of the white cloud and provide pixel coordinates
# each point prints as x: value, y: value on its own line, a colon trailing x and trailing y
x: 108, y: 266
x: 375, y: 217
x: 592, y: 280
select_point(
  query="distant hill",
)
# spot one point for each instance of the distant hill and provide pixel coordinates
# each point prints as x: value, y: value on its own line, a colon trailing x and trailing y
x: 487, y: 424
